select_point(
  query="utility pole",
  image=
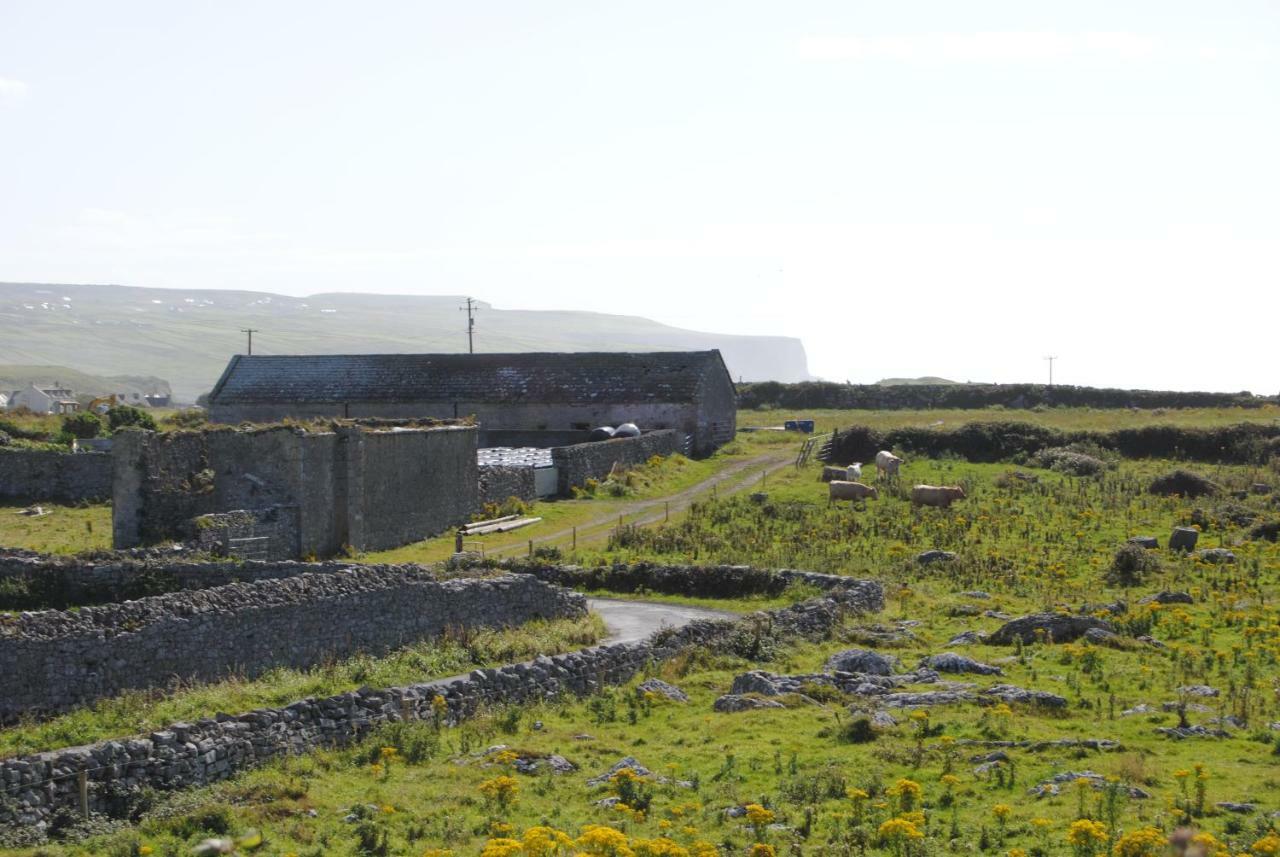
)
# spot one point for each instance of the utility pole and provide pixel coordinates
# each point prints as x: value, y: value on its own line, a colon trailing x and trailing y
x: 251, y: 331
x: 1051, y: 359
x: 470, y: 309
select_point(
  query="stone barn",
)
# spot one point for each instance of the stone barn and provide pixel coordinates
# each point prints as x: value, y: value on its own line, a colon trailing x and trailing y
x: 535, y: 399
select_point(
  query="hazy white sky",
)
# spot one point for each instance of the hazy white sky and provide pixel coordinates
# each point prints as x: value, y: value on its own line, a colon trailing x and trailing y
x: 912, y: 188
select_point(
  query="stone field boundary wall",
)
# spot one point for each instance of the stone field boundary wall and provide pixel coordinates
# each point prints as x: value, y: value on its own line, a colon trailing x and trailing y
x: 580, y: 462
x: 55, y: 582
x: 54, y: 660
x: 33, y: 788
x: 54, y: 477
x: 699, y: 581
x: 371, y: 488
x: 498, y: 482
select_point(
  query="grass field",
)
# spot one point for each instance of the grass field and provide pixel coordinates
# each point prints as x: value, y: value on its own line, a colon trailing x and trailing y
x: 1099, y: 419
x: 813, y: 777
x: 64, y: 530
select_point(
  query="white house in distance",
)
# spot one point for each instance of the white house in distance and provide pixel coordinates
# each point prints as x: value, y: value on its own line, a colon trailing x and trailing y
x: 4, y: 401
x: 44, y: 400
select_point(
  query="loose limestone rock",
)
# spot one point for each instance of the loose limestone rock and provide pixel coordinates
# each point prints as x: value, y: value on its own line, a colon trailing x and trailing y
x: 1047, y: 627
x: 950, y: 662
x: 1019, y: 695
x: 1183, y: 539
x: 1217, y: 556
x: 661, y: 688
x: 732, y: 702
x: 862, y: 661
x: 931, y: 556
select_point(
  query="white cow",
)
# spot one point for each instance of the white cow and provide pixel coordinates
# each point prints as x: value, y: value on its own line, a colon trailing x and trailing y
x: 854, y: 472
x: 887, y: 464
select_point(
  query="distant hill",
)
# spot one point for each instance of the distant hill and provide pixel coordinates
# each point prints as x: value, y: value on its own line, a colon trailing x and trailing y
x: 188, y: 336
x: 83, y: 384
x: 925, y: 381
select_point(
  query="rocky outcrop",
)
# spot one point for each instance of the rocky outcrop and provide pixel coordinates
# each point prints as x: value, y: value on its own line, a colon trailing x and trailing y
x: 732, y: 703
x: 950, y: 662
x: 1047, y: 628
x: 862, y: 661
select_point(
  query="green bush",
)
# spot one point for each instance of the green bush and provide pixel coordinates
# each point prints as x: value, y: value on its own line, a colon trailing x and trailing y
x: 1131, y: 564
x: 125, y: 416
x: 82, y: 425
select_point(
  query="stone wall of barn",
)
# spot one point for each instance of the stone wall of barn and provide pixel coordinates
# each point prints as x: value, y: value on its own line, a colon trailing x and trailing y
x: 363, y: 487
x: 183, y: 755
x: 54, y: 477
x: 55, y: 660
x: 498, y: 418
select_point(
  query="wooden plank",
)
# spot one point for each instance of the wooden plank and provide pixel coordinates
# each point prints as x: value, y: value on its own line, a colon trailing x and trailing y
x: 503, y: 526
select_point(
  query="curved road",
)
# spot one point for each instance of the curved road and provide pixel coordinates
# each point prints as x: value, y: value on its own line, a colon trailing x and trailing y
x: 629, y: 621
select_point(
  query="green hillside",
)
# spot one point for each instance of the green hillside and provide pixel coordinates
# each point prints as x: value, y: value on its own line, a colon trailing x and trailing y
x: 83, y: 384
x: 187, y: 336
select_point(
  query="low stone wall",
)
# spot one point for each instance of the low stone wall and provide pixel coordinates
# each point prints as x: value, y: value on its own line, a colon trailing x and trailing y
x: 184, y: 755
x: 54, y: 660
x: 249, y: 533
x: 698, y: 581
x: 31, y: 581
x: 584, y: 461
x: 54, y: 477
x: 498, y: 482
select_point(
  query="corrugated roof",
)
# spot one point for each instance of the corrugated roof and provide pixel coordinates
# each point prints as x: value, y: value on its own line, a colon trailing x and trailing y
x: 581, y: 377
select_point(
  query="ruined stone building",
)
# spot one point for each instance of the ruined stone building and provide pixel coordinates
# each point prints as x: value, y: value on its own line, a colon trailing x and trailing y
x: 518, y: 399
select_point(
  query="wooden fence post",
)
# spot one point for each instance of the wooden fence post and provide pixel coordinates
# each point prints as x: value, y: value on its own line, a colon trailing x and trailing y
x: 83, y: 782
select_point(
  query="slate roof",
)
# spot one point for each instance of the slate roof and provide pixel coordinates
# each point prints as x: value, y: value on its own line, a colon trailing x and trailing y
x: 560, y: 378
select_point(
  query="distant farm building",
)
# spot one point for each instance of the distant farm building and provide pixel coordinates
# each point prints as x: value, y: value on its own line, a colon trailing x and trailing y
x: 518, y: 399
x: 44, y: 400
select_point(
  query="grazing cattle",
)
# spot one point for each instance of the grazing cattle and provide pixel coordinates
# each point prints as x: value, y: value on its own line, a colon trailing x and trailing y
x: 854, y: 472
x: 840, y: 490
x: 940, y: 496
x: 829, y: 473
x: 887, y: 464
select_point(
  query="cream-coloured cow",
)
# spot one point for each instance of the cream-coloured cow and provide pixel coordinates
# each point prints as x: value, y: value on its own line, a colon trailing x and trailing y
x: 941, y: 496
x: 840, y: 490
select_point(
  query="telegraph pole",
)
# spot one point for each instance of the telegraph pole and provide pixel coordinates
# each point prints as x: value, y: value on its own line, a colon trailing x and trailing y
x: 471, y: 309
x: 251, y: 331
x: 1051, y: 359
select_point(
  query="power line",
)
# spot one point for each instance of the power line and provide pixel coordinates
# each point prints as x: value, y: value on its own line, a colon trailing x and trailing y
x: 1051, y: 359
x: 471, y: 309
x: 251, y: 331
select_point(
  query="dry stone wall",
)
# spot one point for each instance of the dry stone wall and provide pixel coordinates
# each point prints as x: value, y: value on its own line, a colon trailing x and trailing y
x: 498, y: 482
x: 31, y: 581
x: 54, y: 477
x: 54, y: 660
x: 33, y: 788
x: 700, y: 581
x: 583, y: 461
